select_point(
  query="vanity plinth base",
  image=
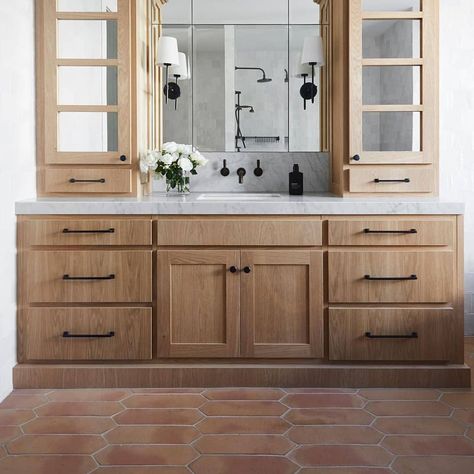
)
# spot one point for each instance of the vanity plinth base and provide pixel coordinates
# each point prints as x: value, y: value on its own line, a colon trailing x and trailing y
x: 181, y: 375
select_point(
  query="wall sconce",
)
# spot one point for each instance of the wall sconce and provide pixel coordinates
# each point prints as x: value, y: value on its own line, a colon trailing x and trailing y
x: 312, y: 56
x: 172, y: 89
x: 167, y: 55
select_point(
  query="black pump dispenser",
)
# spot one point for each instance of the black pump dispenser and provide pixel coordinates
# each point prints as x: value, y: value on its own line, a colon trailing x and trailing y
x: 296, y: 181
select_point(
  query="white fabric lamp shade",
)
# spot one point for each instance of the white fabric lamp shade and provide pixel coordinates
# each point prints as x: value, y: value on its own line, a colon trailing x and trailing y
x: 313, y: 51
x: 167, y: 51
x: 301, y: 69
x: 182, y: 69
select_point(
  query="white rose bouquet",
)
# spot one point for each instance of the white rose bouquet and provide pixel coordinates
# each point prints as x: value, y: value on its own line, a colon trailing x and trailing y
x: 173, y: 162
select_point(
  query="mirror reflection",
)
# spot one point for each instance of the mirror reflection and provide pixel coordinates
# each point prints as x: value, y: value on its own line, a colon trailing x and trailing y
x: 248, y: 75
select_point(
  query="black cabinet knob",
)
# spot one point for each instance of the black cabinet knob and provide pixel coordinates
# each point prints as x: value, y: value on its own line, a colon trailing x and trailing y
x: 233, y: 269
x: 356, y: 157
x: 123, y: 158
x: 247, y: 270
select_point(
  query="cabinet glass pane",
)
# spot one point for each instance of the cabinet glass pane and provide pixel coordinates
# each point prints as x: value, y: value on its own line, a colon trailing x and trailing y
x: 391, y: 85
x: 234, y: 12
x: 87, y: 85
x: 391, y: 38
x: 391, y: 5
x: 87, y: 131
x: 87, y: 39
x: 87, y: 5
x: 304, y: 12
x: 177, y: 12
x: 391, y: 131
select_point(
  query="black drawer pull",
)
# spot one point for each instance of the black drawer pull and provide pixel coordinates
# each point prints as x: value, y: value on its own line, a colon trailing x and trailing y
x: 405, y: 180
x: 233, y: 269
x: 86, y: 278
x: 247, y: 270
x: 74, y: 180
x: 409, y: 278
x: 411, y: 231
x: 103, y: 231
x: 413, y: 335
x: 356, y: 157
x: 67, y: 334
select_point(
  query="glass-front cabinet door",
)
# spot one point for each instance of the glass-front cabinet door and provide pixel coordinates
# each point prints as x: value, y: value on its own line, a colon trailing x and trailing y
x: 393, y: 82
x: 87, y: 100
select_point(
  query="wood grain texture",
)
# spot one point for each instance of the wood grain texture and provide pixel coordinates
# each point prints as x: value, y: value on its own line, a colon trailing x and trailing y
x: 434, y: 271
x: 43, y: 273
x: 51, y: 232
x: 282, y: 304
x: 440, y: 231
x: 44, y: 329
x: 117, y: 181
x: 239, y: 375
x: 438, y: 334
x: 361, y: 179
x: 198, y: 303
x: 264, y: 231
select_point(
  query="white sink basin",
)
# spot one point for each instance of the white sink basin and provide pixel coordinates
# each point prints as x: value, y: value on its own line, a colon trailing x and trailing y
x: 238, y: 197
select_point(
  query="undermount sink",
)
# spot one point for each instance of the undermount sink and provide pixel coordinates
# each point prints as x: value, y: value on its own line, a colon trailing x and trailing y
x: 237, y: 197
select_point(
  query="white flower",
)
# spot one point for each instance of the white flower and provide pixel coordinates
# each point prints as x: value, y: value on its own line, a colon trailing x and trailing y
x: 185, y: 164
x: 199, y: 159
x: 188, y: 150
x: 180, y: 148
x: 175, y: 156
x: 170, y: 147
x: 149, y: 161
x: 167, y: 159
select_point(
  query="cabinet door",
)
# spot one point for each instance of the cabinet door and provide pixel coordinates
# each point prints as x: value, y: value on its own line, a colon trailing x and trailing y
x: 282, y: 309
x: 84, y: 82
x: 393, y: 63
x: 198, y: 303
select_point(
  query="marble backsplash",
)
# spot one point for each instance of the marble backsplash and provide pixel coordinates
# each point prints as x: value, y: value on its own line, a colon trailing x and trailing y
x: 276, y: 167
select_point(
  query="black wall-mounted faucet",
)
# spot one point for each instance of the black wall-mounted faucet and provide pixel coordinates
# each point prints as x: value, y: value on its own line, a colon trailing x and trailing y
x: 241, y: 172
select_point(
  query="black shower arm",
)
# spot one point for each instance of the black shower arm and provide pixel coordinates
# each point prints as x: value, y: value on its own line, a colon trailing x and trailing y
x: 238, y: 68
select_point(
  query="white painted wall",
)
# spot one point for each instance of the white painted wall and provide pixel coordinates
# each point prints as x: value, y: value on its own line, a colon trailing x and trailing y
x: 457, y: 124
x: 17, y: 160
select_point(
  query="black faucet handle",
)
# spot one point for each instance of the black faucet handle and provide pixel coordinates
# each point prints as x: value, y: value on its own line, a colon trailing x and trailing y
x: 225, y: 171
x: 258, y: 171
x: 241, y: 172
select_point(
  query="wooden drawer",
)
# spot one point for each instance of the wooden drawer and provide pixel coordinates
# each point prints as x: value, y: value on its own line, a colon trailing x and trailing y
x: 85, y: 232
x: 259, y: 231
x: 370, y: 277
x: 393, y: 179
x: 398, y: 232
x: 124, y: 333
x: 422, y: 334
x: 85, y: 181
x: 87, y: 276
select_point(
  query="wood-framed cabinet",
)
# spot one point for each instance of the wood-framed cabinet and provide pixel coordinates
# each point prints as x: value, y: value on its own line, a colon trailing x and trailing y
x: 84, y: 107
x: 240, y: 303
x: 385, y: 75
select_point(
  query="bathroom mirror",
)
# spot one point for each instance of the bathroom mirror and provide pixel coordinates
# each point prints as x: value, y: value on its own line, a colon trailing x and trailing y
x: 244, y: 87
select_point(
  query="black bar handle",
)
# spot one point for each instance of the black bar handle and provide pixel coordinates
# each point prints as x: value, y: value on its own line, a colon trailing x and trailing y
x: 74, y: 180
x: 99, y: 231
x: 67, y: 334
x: 247, y: 270
x: 413, y: 335
x: 405, y: 180
x: 86, y: 278
x: 409, y: 278
x: 411, y: 231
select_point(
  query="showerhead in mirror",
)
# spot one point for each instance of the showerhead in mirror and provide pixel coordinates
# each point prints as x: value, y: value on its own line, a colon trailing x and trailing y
x: 264, y: 79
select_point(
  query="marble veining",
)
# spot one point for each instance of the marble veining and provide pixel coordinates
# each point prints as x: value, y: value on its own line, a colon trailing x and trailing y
x: 312, y: 204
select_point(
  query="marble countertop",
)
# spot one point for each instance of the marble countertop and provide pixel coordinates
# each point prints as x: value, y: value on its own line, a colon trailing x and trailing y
x: 315, y: 204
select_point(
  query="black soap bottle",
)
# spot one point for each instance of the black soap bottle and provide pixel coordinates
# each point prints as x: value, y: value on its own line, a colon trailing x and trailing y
x: 296, y: 181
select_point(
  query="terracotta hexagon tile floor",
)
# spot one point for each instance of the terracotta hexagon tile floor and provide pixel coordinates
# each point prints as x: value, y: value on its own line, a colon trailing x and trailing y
x: 238, y: 431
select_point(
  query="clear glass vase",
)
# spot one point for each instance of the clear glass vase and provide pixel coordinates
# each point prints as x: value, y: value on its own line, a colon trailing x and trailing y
x: 178, y: 186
